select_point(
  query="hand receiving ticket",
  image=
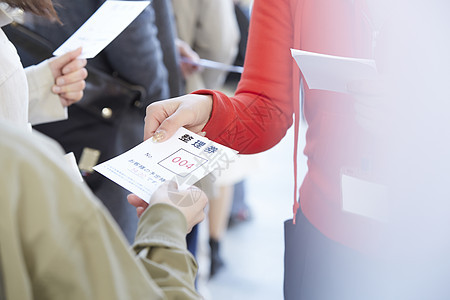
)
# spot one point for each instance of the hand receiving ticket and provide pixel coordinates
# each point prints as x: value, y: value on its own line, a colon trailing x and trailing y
x: 184, y: 158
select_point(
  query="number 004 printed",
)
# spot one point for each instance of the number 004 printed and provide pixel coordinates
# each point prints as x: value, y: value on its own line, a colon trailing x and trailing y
x: 182, y: 162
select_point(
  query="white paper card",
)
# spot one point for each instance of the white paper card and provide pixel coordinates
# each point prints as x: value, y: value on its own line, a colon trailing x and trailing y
x: 211, y: 64
x: 364, y: 198
x: 102, y: 27
x: 333, y: 73
x: 186, y: 158
x: 72, y: 162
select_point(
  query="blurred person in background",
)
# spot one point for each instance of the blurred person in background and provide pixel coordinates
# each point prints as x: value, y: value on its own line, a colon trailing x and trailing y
x: 211, y: 30
x: 167, y: 35
x: 135, y: 57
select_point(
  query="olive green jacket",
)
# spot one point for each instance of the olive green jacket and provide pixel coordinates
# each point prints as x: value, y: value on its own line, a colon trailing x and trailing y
x: 57, y: 241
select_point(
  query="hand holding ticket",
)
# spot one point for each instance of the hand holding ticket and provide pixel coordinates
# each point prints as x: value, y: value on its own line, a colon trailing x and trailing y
x: 185, y: 158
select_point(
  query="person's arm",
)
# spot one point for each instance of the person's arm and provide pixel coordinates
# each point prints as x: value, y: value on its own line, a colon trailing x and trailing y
x: 259, y: 114
x: 53, y: 85
x: 160, y: 245
x: 188, y: 57
x: 161, y: 237
x: 73, y: 249
x: 44, y: 105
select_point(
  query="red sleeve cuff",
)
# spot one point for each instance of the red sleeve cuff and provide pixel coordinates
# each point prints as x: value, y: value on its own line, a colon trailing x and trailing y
x: 222, y: 113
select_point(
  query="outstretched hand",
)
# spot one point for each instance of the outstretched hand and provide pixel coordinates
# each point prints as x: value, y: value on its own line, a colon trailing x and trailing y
x: 189, y: 58
x: 69, y: 73
x: 190, y: 202
x: 164, y: 118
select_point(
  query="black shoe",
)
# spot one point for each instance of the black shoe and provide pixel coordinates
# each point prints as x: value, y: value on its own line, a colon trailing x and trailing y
x: 216, y: 261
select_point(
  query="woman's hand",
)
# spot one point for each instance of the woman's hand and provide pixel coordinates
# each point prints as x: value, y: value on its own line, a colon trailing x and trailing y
x: 189, y: 58
x: 69, y: 73
x: 164, y: 118
x: 190, y: 202
x: 137, y: 202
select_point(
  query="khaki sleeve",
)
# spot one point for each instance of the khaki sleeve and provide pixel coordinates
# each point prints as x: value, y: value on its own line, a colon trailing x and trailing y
x: 71, y: 246
x: 86, y: 258
x: 66, y: 245
x: 161, y: 246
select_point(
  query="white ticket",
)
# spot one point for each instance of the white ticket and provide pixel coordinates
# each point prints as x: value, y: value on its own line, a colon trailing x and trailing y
x: 211, y: 64
x: 185, y: 158
x: 333, y: 73
x: 102, y: 27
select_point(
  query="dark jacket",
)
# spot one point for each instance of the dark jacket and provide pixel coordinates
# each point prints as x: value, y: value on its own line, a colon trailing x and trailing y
x: 135, y: 56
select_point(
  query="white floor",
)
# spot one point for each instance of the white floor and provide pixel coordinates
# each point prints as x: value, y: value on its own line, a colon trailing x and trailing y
x: 253, y: 251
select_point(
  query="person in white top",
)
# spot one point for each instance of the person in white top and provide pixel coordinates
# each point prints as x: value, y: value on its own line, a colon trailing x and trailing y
x: 41, y: 93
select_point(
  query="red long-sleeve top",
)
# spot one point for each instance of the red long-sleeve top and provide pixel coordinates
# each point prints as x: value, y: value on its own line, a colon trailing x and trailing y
x: 267, y: 96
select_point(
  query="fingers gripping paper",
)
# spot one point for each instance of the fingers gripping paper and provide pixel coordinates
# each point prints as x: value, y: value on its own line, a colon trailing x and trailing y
x: 184, y: 158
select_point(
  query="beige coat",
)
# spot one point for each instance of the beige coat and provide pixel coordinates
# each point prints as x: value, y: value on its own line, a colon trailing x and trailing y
x: 211, y: 29
x: 57, y: 241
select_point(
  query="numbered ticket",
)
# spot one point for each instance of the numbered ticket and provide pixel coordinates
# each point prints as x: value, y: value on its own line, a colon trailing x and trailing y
x: 185, y: 158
